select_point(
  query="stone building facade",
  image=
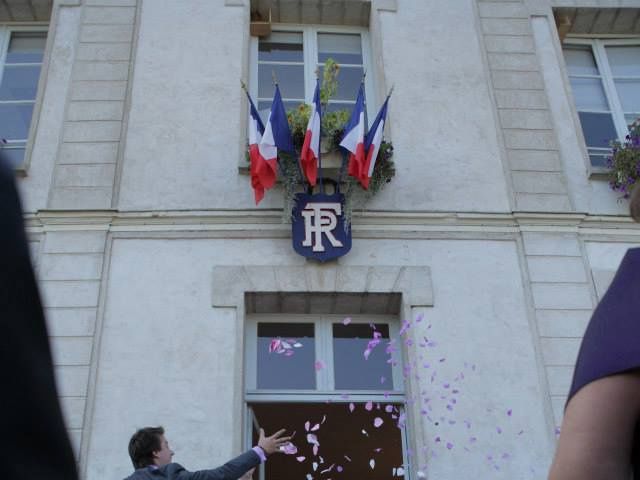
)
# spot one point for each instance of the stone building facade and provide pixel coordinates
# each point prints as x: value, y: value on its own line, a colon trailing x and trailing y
x: 499, y: 231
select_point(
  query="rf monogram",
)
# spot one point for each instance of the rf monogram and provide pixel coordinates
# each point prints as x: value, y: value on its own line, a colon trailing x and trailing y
x: 320, y: 218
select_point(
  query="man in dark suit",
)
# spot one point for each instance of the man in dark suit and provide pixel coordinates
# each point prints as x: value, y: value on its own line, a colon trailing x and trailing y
x: 151, y: 457
x: 34, y: 442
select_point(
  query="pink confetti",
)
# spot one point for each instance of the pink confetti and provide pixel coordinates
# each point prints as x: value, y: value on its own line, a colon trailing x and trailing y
x: 437, y: 440
x: 449, y: 445
x: 289, y: 448
x: 509, y: 412
x: 339, y: 468
x: 301, y: 458
x: 312, y: 439
x: 377, y: 422
x: 319, y: 365
x: 419, y: 318
x: 382, y: 380
x: 346, y: 321
x: 364, y: 432
x: 306, y: 425
x: 314, y: 465
x: 388, y: 408
x: 352, y: 407
x: 498, y: 429
x: 315, y: 450
x: 368, y: 406
x: 315, y: 428
x: 372, y: 463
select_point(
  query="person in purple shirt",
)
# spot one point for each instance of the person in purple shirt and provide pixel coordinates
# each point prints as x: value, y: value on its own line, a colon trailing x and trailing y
x: 151, y: 457
x: 600, y: 435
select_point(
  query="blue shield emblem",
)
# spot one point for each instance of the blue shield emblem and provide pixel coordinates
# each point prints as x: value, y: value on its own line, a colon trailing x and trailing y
x: 318, y: 226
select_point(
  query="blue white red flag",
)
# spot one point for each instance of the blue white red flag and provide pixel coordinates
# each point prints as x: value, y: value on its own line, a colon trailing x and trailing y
x: 276, y: 136
x: 372, y: 143
x: 310, y: 154
x: 353, y: 139
x: 256, y: 129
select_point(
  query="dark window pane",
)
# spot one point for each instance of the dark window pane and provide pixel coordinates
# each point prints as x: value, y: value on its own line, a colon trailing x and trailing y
x: 290, y: 78
x: 281, y: 47
x: 280, y: 370
x: 349, y: 79
x: 14, y: 155
x: 19, y: 83
x: 26, y: 47
x: 343, y: 48
x: 598, y: 129
x: 15, y: 121
x: 352, y: 370
x: 340, y: 435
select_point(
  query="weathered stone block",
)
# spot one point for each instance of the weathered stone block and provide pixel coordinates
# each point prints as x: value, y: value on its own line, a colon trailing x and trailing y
x: 88, y: 153
x: 521, y: 99
x: 81, y: 198
x: 72, y: 380
x: 117, y: 71
x: 560, y: 351
x: 562, y: 323
x: 502, y: 10
x: 525, y: 119
x: 542, y: 202
x: 71, y: 350
x: 551, y: 244
x: 92, y: 111
x: 85, y: 175
x: 556, y: 269
x: 106, y: 33
x: 569, y: 296
x: 107, y: 52
x: 102, y: 131
x: 76, y: 266
x: 70, y: 293
x: 509, y: 44
x: 530, y: 139
x: 506, y: 26
x: 98, y: 90
x: 73, y: 410
x: 535, y: 160
x: 74, y: 242
x: 539, y: 182
x: 527, y: 62
x: 109, y: 15
x: 71, y: 322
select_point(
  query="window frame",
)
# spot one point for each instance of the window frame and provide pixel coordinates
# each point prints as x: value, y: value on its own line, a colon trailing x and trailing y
x: 310, y: 55
x: 323, y: 335
x: 598, y: 48
x: 6, y: 30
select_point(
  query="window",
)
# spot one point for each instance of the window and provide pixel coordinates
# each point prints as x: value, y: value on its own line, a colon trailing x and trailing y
x: 305, y: 368
x: 294, y: 54
x: 21, y: 55
x: 605, y: 79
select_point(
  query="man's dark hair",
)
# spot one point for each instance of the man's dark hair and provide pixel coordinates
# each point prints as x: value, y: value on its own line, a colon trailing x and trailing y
x: 142, y: 445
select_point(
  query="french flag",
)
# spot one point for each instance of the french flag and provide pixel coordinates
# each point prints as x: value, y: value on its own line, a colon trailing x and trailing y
x: 372, y: 145
x: 311, y: 147
x: 276, y: 136
x: 256, y: 129
x: 353, y: 139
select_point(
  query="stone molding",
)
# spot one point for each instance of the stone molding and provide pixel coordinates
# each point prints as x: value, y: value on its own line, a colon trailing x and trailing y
x: 231, y: 282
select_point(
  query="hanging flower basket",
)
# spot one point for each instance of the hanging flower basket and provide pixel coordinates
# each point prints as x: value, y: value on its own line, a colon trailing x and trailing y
x: 624, y: 162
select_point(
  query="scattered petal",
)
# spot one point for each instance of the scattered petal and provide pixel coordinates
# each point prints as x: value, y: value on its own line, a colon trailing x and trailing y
x: 315, y: 428
x: 347, y: 458
x: 400, y: 471
x: 339, y: 468
x: 315, y: 450
x: 314, y: 465
x: 377, y: 422
x: 388, y: 408
x: 319, y: 365
x: 301, y: 458
x: 289, y: 448
x: 346, y: 321
x: 368, y: 406
x: 312, y: 439
x: 309, y: 477
x: 372, y: 463
x: 327, y: 470
x: 324, y: 417
x: 421, y: 474
x: 449, y: 445
x: 377, y: 450
x: 509, y: 412
x: 352, y: 407
x: 364, y: 432
x: 306, y: 425
x: 499, y: 430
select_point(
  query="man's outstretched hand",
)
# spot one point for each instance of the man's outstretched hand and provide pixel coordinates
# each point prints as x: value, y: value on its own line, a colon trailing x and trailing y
x: 273, y: 443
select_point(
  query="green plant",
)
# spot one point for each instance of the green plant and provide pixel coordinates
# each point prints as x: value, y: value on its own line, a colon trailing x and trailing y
x: 624, y: 162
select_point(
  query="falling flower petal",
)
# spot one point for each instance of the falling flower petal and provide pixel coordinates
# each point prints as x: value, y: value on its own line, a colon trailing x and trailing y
x: 297, y: 345
x: 289, y: 448
x: 449, y: 445
x: 309, y: 477
x: 314, y: 466
x: 327, y: 470
x: 306, y: 425
x: 509, y: 412
x: 319, y: 365
x: 372, y: 463
x: 352, y: 407
x: 312, y: 439
x: 382, y: 379
x: 368, y: 406
x: 346, y: 321
x: 347, y: 458
x: 339, y: 468
x: 377, y: 450
x: 498, y: 429
x: 377, y: 422
x: 421, y: 474
x: 400, y: 471
x: 301, y: 458
x: 324, y: 417
x: 315, y: 428
x: 315, y: 450
x: 364, y: 432
x: 388, y: 408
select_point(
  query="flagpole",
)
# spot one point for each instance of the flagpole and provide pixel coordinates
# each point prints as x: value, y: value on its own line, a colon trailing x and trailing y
x: 320, y: 114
